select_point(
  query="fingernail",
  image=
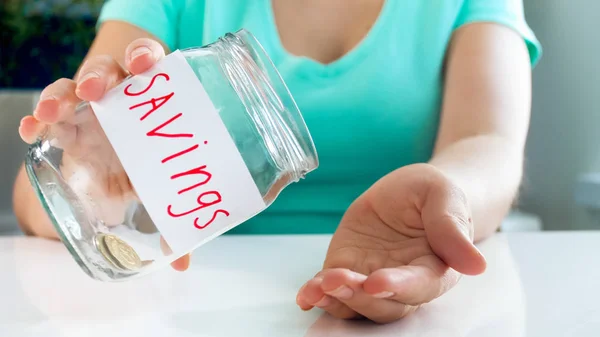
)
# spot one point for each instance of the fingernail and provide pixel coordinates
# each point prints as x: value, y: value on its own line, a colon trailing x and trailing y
x: 88, y: 76
x: 318, y: 279
x: 323, y: 302
x: 384, y: 294
x: 47, y: 98
x: 21, y: 123
x: 139, y: 51
x: 49, y: 109
x: 343, y: 292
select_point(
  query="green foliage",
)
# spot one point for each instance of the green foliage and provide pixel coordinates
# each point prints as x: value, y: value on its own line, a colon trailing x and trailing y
x: 43, y: 40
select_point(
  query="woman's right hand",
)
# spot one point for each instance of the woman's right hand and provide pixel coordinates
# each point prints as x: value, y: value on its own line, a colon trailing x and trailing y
x: 74, y: 129
x: 88, y: 162
x: 96, y: 76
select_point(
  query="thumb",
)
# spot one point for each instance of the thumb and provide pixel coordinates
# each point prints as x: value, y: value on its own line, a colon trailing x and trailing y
x: 448, y: 225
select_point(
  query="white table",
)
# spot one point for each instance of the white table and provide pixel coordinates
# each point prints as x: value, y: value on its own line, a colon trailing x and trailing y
x: 537, y: 284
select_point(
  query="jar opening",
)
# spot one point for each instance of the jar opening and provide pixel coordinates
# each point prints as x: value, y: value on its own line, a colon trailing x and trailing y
x: 268, y: 102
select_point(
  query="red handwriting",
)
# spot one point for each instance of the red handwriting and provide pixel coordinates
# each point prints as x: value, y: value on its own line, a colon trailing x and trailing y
x: 197, y: 170
x: 206, y: 200
x: 154, y: 132
x: 202, y: 204
x: 181, y: 153
x: 161, y: 100
x: 129, y: 93
x: 214, y: 216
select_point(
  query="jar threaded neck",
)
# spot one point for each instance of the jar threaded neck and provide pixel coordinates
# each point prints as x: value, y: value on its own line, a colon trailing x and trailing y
x: 263, y: 104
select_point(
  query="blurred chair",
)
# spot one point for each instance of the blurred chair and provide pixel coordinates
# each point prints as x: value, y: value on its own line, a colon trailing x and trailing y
x: 587, y: 195
x: 13, y: 106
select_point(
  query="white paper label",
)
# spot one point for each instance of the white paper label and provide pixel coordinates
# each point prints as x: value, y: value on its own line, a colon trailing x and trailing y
x: 178, y: 154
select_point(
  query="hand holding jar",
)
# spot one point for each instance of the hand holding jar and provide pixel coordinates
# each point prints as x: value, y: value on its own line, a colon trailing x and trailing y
x: 159, y: 163
x: 76, y: 131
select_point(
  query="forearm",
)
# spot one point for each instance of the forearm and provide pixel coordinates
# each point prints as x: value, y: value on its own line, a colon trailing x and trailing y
x: 484, y: 119
x: 489, y: 169
x: 29, y: 212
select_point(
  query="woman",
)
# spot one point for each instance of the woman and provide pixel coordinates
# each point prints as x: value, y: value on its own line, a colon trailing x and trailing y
x: 419, y: 111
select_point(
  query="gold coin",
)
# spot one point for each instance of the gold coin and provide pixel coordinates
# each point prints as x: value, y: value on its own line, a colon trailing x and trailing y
x: 122, y: 253
x: 104, y: 251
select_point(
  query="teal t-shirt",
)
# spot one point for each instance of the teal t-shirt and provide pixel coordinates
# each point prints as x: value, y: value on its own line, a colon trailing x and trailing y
x: 370, y: 112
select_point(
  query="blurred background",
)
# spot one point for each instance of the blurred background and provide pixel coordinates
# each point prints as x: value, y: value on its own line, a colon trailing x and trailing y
x: 42, y: 40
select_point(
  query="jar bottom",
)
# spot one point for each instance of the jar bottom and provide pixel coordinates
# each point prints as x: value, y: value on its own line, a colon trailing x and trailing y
x: 79, y: 230
x: 82, y: 232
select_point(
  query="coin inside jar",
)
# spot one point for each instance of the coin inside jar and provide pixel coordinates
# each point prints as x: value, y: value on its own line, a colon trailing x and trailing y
x: 104, y: 251
x: 118, y: 252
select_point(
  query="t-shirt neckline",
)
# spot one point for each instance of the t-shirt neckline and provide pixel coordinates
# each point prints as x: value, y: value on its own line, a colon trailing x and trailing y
x: 309, y: 66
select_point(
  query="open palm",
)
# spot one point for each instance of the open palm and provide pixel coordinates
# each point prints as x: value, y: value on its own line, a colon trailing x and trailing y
x: 401, y: 244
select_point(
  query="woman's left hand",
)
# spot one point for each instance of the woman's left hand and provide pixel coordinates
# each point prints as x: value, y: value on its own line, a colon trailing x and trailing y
x: 401, y: 244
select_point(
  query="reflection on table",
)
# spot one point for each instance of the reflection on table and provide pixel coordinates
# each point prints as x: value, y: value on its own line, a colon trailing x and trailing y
x: 246, y: 286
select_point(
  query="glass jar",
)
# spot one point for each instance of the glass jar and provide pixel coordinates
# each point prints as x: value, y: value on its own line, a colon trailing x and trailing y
x: 106, y: 194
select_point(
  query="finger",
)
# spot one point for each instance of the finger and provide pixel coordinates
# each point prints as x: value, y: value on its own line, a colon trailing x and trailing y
x: 182, y: 263
x: 30, y: 128
x: 98, y: 75
x: 337, y: 308
x: 347, y: 287
x: 413, y: 285
x: 375, y: 309
x: 68, y: 133
x: 449, y: 228
x: 142, y: 54
x: 312, y: 294
x: 341, y: 282
x: 333, y: 306
x: 57, y: 102
x: 164, y: 246
x: 301, y: 299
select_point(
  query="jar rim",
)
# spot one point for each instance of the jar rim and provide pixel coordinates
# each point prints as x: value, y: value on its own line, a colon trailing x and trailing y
x: 296, y: 146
